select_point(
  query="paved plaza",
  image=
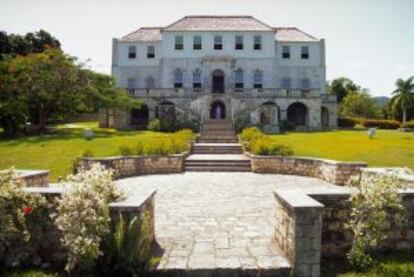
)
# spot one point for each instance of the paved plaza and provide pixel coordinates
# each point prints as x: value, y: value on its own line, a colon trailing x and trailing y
x: 218, y: 220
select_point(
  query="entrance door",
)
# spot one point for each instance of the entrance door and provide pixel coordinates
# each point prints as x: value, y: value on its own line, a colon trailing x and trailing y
x: 218, y: 81
x: 217, y: 110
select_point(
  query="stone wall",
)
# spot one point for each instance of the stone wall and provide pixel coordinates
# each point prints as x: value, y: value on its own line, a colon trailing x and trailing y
x: 34, y: 178
x: 139, y: 165
x: 46, y: 249
x: 331, y: 171
x: 404, y: 178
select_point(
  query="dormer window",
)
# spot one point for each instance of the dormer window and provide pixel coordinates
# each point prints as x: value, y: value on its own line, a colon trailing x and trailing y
x: 197, y: 43
x: 257, y: 43
x: 286, y: 52
x: 239, y: 43
x: 132, y: 52
x: 151, y: 52
x: 179, y: 43
x: 305, y: 52
x: 218, y: 43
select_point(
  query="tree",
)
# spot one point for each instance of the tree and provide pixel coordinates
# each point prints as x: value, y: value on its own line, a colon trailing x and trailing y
x: 50, y: 87
x: 341, y: 87
x: 359, y: 104
x: 404, y: 96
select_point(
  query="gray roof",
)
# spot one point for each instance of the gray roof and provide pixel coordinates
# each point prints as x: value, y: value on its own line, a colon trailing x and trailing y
x: 293, y: 34
x: 218, y: 23
x: 144, y: 34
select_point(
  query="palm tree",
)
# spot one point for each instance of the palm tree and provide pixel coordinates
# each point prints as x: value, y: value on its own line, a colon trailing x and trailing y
x: 404, y: 95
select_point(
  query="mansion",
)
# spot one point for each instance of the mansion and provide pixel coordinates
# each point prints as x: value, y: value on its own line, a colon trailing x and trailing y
x: 222, y: 67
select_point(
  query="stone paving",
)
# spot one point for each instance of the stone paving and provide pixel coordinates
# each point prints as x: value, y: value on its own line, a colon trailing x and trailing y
x: 218, y: 220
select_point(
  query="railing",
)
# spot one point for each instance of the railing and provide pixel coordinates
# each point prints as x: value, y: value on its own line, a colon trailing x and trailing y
x: 239, y: 93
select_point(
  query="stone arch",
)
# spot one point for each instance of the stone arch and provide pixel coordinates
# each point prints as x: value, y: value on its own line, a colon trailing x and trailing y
x: 140, y: 116
x: 324, y: 117
x: 166, y: 112
x: 218, y: 81
x: 218, y: 110
x: 298, y: 114
x: 266, y: 116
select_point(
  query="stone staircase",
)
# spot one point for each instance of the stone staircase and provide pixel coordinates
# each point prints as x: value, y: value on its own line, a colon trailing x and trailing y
x: 217, y: 150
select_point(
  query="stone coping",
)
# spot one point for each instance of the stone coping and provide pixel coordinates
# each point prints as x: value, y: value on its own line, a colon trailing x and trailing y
x: 297, y: 200
x: 135, y: 204
x: 388, y: 171
x: 310, y: 159
x: 45, y: 190
x: 181, y: 155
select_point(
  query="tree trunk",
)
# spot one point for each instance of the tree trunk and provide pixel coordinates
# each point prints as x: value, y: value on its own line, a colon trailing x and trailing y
x: 404, y: 119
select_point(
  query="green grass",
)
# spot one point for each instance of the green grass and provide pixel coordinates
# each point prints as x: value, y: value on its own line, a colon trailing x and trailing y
x: 28, y: 273
x: 395, y: 264
x: 59, y: 148
x: 387, y: 148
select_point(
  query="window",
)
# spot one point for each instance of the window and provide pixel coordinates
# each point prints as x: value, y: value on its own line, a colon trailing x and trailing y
x: 178, y: 79
x: 132, y: 52
x: 286, y: 52
x: 257, y: 43
x: 197, y: 79
x: 218, y: 43
x: 239, y: 43
x: 305, y: 84
x: 305, y: 52
x: 197, y: 43
x: 286, y: 83
x: 150, y: 82
x: 150, y: 52
x: 258, y: 79
x: 179, y: 43
x: 239, y: 84
x: 131, y: 85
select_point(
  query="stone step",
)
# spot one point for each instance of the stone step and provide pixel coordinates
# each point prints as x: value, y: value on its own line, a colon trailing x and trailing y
x: 218, y: 169
x: 218, y: 163
x: 216, y: 140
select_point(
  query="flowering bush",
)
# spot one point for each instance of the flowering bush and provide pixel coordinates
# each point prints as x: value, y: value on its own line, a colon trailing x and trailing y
x: 260, y: 144
x: 17, y: 208
x: 83, y: 215
x: 376, y: 206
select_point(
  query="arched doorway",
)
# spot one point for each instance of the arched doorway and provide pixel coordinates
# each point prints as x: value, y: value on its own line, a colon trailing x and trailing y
x: 324, y: 118
x: 218, y: 81
x: 297, y: 114
x: 269, y: 113
x: 140, y: 116
x: 217, y: 110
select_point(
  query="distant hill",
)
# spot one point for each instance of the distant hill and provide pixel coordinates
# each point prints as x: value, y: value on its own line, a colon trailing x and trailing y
x: 381, y: 100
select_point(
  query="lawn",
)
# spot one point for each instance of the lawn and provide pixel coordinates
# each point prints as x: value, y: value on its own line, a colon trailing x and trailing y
x: 58, y: 149
x: 387, y: 148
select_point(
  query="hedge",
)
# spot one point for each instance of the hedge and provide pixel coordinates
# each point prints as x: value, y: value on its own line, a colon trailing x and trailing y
x: 347, y: 122
x: 381, y: 124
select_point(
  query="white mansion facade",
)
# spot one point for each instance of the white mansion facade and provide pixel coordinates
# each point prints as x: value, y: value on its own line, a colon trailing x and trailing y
x: 223, y: 67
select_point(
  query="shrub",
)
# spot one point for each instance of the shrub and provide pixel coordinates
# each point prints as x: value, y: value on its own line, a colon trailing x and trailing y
x: 126, y: 150
x: 381, y: 124
x: 83, y: 215
x: 287, y: 126
x: 18, y: 209
x: 409, y: 124
x: 269, y: 147
x: 139, y: 149
x: 250, y: 134
x: 347, y: 122
x: 88, y: 153
x: 154, y: 125
x: 376, y: 206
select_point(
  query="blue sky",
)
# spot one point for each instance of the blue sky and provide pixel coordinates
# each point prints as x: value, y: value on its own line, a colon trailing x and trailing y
x: 369, y: 41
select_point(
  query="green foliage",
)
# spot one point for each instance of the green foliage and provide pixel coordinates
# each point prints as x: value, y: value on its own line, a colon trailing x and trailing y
x: 287, y: 126
x: 359, y: 104
x: 18, y: 209
x: 404, y: 96
x: 28, y: 273
x: 154, y: 125
x: 83, y: 216
x: 175, y: 143
x: 381, y: 124
x: 341, y: 87
x: 409, y: 124
x: 88, y: 153
x: 131, y: 247
x: 260, y: 144
x: 347, y: 122
x: 376, y: 206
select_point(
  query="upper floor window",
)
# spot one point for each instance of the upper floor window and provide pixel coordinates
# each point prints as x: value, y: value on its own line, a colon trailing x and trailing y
x: 218, y: 42
x: 305, y: 84
x: 286, y: 83
x: 131, y: 85
x: 197, y: 43
x: 178, y: 78
x: 132, y: 52
x: 239, y: 76
x: 197, y: 79
x: 150, y: 82
x: 179, y: 43
x: 151, y: 52
x: 257, y: 43
x: 258, y: 79
x: 304, y: 52
x: 286, y: 52
x: 239, y: 43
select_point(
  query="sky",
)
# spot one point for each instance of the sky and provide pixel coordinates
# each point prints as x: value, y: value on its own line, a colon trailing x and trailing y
x: 368, y: 41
